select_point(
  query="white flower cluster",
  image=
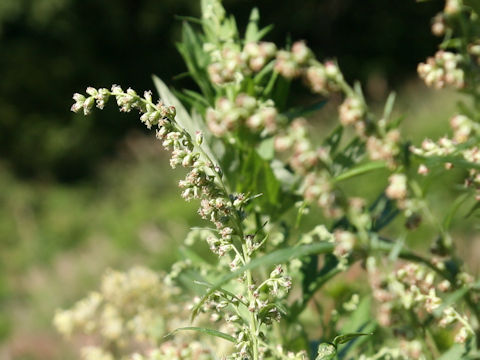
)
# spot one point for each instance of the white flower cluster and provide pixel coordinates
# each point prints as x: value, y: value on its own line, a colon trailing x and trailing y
x: 444, y: 146
x: 230, y: 63
x: 463, y: 128
x: 244, y: 111
x: 384, y: 148
x: 438, y: 25
x: 318, y: 189
x: 215, y: 203
x: 302, y: 157
x: 442, y: 70
x: 192, y: 350
x: 352, y: 112
x: 131, y: 307
x: 397, y: 187
x: 291, y: 64
x: 321, y: 78
x: 407, y: 350
x: 95, y: 353
x: 344, y: 243
x: 453, y: 7
x: 414, y: 287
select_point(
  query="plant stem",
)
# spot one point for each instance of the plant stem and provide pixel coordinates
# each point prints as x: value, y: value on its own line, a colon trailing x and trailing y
x: 253, y: 319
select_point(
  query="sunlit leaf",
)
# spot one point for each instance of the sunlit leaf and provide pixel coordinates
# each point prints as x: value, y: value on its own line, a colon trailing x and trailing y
x: 211, y: 332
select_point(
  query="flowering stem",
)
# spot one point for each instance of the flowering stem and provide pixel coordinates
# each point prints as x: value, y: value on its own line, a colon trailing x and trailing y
x: 253, y: 319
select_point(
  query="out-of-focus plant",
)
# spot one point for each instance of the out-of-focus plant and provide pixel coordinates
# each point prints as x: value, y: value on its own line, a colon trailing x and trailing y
x: 256, y: 172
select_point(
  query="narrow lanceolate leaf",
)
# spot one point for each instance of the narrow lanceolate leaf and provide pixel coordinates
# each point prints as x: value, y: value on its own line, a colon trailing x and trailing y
x: 447, y: 221
x: 252, y: 28
x: 342, y: 339
x: 275, y: 257
x: 359, y: 170
x: 210, y: 332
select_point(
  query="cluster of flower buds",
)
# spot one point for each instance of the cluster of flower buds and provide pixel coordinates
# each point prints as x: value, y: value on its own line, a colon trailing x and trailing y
x: 323, y: 79
x: 414, y: 287
x: 303, y: 157
x: 352, y: 112
x: 406, y: 350
x: 199, y: 183
x: 385, y: 149
x: 474, y: 50
x: 344, y: 243
x: 95, y: 353
x: 463, y: 127
x: 130, y: 307
x: 278, y: 283
x: 318, y: 189
x: 443, y: 147
x: 299, y: 62
x: 281, y: 353
x: 453, y: 7
x: 291, y: 64
x: 218, y: 306
x: 258, y: 54
x: 177, y: 351
x: 242, y: 344
x: 473, y: 155
x: 397, y: 187
x: 442, y: 70
x: 438, y: 25
x: 245, y: 111
x: 228, y: 64
x: 153, y: 114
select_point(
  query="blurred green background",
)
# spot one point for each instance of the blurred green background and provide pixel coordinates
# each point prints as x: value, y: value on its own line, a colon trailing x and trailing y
x: 80, y: 194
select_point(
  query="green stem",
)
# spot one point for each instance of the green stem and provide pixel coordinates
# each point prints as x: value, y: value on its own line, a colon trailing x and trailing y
x: 253, y: 319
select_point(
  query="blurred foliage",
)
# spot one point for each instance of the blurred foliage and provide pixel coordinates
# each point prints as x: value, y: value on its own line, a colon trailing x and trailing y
x: 52, y: 48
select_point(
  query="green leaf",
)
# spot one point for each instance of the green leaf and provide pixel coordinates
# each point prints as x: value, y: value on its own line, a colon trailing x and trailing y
x: 342, y: 339
x: 473, y: 209
x: 333, y: 140
x: 453, y: 210
x: 359, y: 170
x: 359, y: 321
x: 266, y: 148
x: 387, y: 111
x: 210, y: 332
x: 361, y: 316
x: 455, y: 352
x: 349, y: 156
x: 253, y: 175
x: 251, y: 33
x: 275, y: 257
x: 326, y: 351
x: 455, y: 43
x: 457, y: 161
x: 262, y: 33
x: 383, y: 211
x: 196, y: 59
x: 305, y: 110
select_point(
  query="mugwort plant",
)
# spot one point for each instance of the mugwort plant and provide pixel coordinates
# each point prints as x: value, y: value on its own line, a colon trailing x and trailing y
x: 285, y: 225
